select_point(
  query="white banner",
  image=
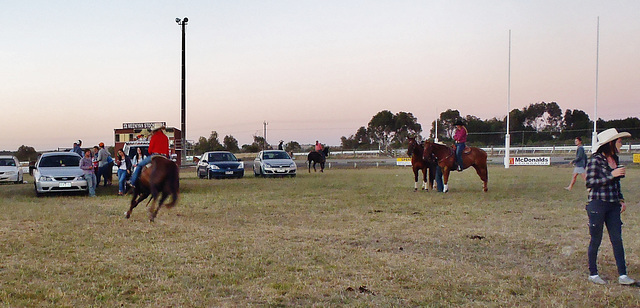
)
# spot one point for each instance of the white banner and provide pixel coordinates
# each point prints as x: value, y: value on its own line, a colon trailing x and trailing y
x: 530, y: 161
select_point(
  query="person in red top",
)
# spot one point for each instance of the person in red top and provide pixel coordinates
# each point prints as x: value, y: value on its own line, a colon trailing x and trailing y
x: 460, y: 137
x: 158, y: 145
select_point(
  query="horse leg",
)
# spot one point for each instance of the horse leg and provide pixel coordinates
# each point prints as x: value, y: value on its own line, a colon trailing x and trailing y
x: 137, y: 198
x: 155, y: 213
x: 309, y: 163
x: 483, y: 174
x: 415, y: 176
x: 445, y: 178
x: 322, y: 167
x: 432, y: 175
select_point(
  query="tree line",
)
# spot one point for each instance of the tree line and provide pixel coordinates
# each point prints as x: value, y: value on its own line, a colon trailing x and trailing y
x: 537, y: 124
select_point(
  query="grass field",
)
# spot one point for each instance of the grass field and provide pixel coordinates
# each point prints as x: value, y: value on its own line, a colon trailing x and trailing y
x: 343, y: 238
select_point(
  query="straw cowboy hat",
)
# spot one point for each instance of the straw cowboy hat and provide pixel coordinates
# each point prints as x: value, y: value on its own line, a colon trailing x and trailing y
x: 156, y: 127
x: 609, y: 135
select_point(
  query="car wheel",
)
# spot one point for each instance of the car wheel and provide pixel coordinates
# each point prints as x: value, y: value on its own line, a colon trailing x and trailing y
x: 256, y: 174
x: 35, y: 188
x: 198, y: 174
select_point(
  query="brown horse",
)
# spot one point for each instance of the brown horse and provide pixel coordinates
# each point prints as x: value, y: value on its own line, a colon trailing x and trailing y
x: 446, y: 157
x: 419, y: 163
x: 160, y: 178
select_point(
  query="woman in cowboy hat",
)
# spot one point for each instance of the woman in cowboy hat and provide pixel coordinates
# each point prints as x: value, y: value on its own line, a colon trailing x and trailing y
x: 460, y: 137
x: 158, y: 145
x: 606, y: 202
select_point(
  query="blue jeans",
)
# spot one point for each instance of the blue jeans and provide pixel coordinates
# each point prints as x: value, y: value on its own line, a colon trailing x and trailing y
x: 459, y: 148
x: 102, y: 172
x: 600, y: 214
x: 122, y: 178
x: 91, y: 183
x: 141, y: 164
x: 439, y: 183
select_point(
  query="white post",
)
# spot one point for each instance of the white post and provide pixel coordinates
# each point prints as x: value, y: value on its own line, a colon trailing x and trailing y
x: 507, y: 137
x: 594, y: 136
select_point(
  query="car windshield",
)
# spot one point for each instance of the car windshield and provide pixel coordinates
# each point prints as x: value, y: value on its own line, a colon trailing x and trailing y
x: 60, y: 161
x: 222, y: 157
x: 7, y: 162
x: 275, y: 155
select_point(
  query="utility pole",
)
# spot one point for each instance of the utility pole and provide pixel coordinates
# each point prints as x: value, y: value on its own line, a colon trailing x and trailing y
x: 264, y: 144
x: 183, y: 116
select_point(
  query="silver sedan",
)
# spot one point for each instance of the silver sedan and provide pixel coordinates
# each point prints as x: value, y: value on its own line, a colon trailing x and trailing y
x: 274, y: 163
x: 59, y: 172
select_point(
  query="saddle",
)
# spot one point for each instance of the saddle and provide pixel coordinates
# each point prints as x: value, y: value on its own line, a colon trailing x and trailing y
x: 467, y: 149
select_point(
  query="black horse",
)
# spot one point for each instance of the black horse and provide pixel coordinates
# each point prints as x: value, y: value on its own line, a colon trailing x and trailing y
x: 317, y: 157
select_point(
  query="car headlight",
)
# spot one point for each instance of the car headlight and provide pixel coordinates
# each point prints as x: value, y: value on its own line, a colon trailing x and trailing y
x: 241, y: 165
x: 268, y: 165
x: 45, y: 178
x: 293, y: 165
x: 80, y: 178
x: 214, y: 167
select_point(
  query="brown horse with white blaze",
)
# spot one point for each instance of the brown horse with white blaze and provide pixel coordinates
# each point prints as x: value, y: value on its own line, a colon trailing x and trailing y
x: 445, y: 156
x: 419, y: 163
x: 160, y: 179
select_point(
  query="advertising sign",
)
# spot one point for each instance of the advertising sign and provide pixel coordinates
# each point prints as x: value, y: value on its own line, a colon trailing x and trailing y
x: 403, y: 161
x: 530, y: 161
x: 144, y: 125
x: 636, y: 158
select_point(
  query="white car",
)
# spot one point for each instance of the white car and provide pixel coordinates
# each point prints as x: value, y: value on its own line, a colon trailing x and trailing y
x: 274, y: 163
x: 10, y: 170
x: 59, y: 172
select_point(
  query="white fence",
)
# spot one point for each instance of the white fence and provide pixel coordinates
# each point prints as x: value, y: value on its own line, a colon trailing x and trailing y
x: 490, y: 150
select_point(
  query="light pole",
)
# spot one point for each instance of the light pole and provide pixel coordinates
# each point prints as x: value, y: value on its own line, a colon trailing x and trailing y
x: 183, y: 121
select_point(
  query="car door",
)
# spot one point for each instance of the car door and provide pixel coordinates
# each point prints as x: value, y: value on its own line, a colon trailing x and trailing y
x: 257, y: 163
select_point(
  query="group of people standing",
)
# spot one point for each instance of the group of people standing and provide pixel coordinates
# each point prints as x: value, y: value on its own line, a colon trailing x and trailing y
x: 97, y: 164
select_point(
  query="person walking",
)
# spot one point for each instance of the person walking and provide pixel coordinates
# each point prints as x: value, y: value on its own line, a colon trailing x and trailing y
x: 280, y: 145
x: 124, y: 170
x: 579, y: 163
x: 606, y: 202
x: 460, y: 137
x: 86, y: 164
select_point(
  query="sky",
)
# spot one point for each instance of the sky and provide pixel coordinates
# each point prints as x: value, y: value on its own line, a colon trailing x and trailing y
x: 312, y: 70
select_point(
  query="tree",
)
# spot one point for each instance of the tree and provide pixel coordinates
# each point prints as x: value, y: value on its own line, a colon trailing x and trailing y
x: 292, y: 146
x: 231, y: 144
x: 201, y: 146
x: 405, y: 125
x: 26, y: 153
x: 387, y: 128
x: 214, y: 143
x: 448, y: 119
x: 381, y: 128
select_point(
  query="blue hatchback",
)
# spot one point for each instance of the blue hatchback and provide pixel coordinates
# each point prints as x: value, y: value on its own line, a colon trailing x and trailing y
x: 219, y: 164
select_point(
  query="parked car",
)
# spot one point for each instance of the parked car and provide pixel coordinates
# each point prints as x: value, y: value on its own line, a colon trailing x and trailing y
x: 274, y: 163
x: 219, y: 164
x: 59, y: 172
x: 10, y: 170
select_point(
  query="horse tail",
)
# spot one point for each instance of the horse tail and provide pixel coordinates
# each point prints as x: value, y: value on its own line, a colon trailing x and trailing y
x: 173, y: 181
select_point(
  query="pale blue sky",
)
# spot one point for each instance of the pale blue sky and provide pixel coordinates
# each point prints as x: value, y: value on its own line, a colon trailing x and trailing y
x: 314, y: 70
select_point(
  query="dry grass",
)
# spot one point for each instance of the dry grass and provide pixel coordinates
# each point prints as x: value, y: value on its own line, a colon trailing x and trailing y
x: 342, y: 238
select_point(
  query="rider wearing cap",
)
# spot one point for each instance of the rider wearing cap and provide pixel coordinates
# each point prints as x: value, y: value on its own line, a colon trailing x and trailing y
x: 158, y: 145
x: 460, y: 137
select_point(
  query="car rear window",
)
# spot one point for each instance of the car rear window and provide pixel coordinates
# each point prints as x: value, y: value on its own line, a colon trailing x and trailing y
x: 7, y: 162
x: 60, y: 161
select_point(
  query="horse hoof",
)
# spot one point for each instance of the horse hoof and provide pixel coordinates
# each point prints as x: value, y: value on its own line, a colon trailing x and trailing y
x: 127, y: 215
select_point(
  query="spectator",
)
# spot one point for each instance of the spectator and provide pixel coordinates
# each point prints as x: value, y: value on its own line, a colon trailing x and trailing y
x: 77, y: 149
x: 103, y: 164
x: 580, y: 162
x: 138, y: 157
x: 124, y: 170
x: 86, y: 165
